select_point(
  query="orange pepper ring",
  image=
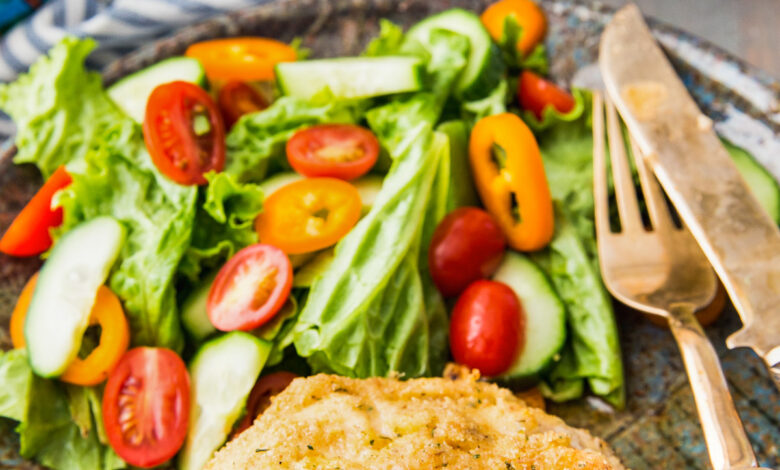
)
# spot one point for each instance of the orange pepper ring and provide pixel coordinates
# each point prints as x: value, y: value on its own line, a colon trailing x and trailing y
x: 114, y: 337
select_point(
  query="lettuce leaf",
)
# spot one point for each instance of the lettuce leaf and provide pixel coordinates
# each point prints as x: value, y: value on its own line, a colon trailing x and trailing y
x: 224, y: 223
x: 257, y: 140
x: 593, y: 351
x: 388, y: 42
x: 59, y: 109
x: 47, y: 430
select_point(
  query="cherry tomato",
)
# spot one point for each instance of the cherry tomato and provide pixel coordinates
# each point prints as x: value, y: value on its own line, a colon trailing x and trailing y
x: 487, y: 327
x: 343, y: 151
x: 250, y: 288
x: 537, y: 93
x: 247, y: 58
x: 184, y: 133
x: 236, y: 99
x: 259, y: 399
x: 467, y: 245
x: 309, y: 215
x: 28, y: 234
x: 146, y: 406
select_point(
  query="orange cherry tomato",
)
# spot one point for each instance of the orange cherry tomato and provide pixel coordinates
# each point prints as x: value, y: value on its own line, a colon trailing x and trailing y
x: 28, y: 234
x: 343, y: 151
x: 184, y: 133
x: 236, y: 99
x: 528, y: 16
x: 536, y: 93
x: 114, y: 337
x: 245, y: 58
x: 309, y: 215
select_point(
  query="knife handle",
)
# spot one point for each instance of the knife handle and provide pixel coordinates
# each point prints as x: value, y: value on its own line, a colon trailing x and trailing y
x: 727, y: 443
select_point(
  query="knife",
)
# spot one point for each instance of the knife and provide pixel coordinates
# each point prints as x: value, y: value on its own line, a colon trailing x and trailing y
x: 679, y: 143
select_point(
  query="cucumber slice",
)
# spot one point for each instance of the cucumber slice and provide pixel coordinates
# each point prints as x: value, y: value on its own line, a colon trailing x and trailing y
x: 313, y: 269
x: 277, y: 181
x: 59, y: 311
x: 222, y: 375
x: 194, y: 316
x: 350, y: 77
x: 485, y: 66
x: 368, y: 186
x: 545, y: 317
x: 132, y: 92
x: 761, y: 182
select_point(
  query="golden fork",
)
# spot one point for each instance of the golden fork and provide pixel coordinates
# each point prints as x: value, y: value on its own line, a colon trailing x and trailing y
x: 662, y: 271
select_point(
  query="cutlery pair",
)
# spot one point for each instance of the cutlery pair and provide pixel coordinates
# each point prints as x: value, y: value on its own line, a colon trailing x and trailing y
x: 662, y: 270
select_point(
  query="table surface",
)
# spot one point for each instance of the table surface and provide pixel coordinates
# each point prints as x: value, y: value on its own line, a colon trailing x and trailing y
x: 746, y: 28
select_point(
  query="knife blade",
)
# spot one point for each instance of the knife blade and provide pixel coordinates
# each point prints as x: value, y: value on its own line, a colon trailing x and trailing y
x: 679, y: 143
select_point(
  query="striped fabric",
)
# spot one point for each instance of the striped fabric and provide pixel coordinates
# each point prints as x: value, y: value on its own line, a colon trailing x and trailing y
x: 119, y: 26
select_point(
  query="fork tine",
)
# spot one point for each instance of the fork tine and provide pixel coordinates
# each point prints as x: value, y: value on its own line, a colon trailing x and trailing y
x: 628, y: 207
x: 600, y: 168
x: 660, y: 217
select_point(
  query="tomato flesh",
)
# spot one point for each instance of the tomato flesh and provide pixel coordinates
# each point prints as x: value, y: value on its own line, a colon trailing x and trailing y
x: 343, y: 151
x: 467, y: 245
x: 536, y: 94
x: 250, y: 288
x: 487, y: 327
x: 28, y: 234
x: 184, y: 132
x: 309, y: 215
x: 238, y: 98
x: 146, y: 406
x: 259, y: 399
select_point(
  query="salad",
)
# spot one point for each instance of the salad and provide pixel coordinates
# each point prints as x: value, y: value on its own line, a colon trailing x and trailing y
x: 220, y: 222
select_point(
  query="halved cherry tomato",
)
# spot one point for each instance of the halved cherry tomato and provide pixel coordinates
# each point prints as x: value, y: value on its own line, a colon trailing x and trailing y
x: 114, y: 335
x: 467, y: 245
x: 245, y: 58
x: 528, y: 15
x: 236, y: 99
x: 146, y: 406
x: 184, y: 133
x: 250, y: 288
x: 28, y: 234
x: 509, y: 174
x: 343, y: 151
x: 536, y: 93
x: 309, y: 214
x: 487, y: 327
x: 260, y: 397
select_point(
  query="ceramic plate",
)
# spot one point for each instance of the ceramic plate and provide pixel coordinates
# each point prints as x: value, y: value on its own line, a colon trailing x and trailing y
x: 659, y: 427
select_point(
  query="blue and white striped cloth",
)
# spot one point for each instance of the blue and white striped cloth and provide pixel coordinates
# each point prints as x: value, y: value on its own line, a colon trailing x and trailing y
x: 119, y: 26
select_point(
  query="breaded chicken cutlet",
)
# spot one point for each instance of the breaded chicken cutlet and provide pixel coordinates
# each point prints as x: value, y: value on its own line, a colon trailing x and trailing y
x: 329, y: 422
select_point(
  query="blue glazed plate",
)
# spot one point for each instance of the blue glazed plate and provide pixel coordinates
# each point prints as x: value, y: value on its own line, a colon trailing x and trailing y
x: 659, y: 427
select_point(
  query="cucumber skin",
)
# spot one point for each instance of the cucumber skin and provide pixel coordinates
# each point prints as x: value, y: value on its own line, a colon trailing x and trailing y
x: 195, y: 321
x: 492, y: 68
x: 264, y: 348
x: 530, y: 378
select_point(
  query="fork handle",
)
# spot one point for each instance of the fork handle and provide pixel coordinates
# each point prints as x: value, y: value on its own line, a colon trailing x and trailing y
x: 727, y: 443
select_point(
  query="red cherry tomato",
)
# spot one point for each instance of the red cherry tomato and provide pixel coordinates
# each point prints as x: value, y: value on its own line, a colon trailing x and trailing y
x: 341, y: 151
x: 28, y: 234
x: 259, y: 399
x: 236, y: 99
x: 250, y: 288
x: 184, y: 133
x: 537, y: 93
x: 467, y: 245
x: 487, y: 327
x: 146, y: 406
